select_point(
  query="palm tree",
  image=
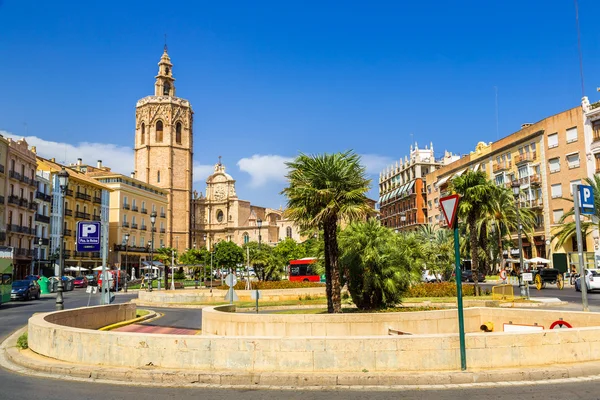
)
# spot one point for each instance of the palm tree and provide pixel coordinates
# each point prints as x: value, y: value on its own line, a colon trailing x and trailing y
x: 476, y: 191
x: 590, y: 221
x: 324, y: 189
x: 438, y: 249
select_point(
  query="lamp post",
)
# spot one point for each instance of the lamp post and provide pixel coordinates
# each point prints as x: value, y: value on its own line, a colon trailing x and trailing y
x: 259, y: 224
x: 523, y: 285
x: 204, y: 265
x: 63, y: 182
x: 39, y: 260
x: 152, y: 222
x: 126, y: 244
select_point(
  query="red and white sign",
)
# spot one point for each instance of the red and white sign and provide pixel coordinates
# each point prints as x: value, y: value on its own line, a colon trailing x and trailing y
x: 560, y: 325
x: 449, y: 205
x: 503, y: 274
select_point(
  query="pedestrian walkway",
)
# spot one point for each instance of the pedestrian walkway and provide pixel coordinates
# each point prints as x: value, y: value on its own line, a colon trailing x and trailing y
x: 153, y: 329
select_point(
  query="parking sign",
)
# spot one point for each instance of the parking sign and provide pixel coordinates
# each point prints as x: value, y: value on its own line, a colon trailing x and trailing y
x: 88, y: 236
x: 586, y: 197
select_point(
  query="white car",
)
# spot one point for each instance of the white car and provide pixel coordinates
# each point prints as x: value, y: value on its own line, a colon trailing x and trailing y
x: 592, y: 280
x: 429, y: 277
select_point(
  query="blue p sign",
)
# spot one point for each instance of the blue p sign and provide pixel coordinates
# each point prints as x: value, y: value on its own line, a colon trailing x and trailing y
x: 586, y: 198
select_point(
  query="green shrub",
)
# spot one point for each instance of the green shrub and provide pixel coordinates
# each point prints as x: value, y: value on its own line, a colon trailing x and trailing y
x: 179, y: 274
x: 274, y: 285
x: 440, y: 289
x: 22, y: 342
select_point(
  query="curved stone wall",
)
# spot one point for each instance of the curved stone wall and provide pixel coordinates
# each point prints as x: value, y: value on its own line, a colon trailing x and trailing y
x: 204, y: 296
x: 421, y: 352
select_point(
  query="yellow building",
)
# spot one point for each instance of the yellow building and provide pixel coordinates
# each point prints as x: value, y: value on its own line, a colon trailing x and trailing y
x: 132, y: 203
x: 85, y: 199
x: 3, y: 179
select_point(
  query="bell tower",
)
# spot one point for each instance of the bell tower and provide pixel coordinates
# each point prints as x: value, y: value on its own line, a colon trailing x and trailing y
x: 163, y: 153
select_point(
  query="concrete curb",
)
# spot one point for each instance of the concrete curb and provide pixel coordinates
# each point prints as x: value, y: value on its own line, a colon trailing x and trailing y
x: 151, y: 315
x: 29, y: 363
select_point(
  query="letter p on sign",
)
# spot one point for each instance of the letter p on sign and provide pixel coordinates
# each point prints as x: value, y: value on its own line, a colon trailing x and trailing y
x: 88, y: 229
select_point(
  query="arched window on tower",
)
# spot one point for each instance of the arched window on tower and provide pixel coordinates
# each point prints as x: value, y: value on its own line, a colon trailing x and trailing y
x: 288, y: 231
x: 178, y: 133
x: 166, y: 89
x: 246, y: 237
x: 143, y: 135
x: 159, y: 131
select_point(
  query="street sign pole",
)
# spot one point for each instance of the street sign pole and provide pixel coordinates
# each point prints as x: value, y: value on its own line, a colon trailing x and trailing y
x: 579, y: 195
x: 449, y: 206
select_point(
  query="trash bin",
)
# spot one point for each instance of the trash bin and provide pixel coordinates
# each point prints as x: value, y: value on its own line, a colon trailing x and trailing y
x: 53, y: 284
x: 43, y: 282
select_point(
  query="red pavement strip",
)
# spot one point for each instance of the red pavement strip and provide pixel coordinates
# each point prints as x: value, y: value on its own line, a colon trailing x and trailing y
x: 156, y: 329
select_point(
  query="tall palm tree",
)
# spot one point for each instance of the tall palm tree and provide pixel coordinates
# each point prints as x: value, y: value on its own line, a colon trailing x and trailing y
x: 589, y: 222
x: 475, y: 190
x: 324, y: 189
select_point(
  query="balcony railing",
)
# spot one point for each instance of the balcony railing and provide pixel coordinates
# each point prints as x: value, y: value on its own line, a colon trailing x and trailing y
x: 33, y: 206
x: 126, y: 207
x: 69, y: 192
x: 23, y: 202
x: 535, y: 179
x: 163, y: 215
x: 96, y: 218
x: 25, y: 179
x: 68, y: 232
x: 502, y: 166
x: 134, y: 226
x: 95, y: 254
x: 143, y: 227
x: 80, y: 214
x: 144, y: 211
x: 80, y: 254
x: 42, y: 218
x: 83, y: 196
x: 43, y: 196
x: 162, y: 230
x: 138, y: 249
x: 134, y: 208
x: 525, y: 157
x: 97, y: 200
x: 68, y: 212
x: 12, y: 199
x: 14, y: 175
x: 125, y: 225
x: 45, y: 241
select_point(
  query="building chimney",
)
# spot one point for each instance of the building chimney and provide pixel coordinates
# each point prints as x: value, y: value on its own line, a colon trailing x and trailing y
x: 99, y: 165
x: 526, y: 125
x: 79, y: 161
x: 133, y: 175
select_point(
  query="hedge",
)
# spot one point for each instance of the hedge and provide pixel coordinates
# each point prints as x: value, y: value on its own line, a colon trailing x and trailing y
x: 440, y: 289
x: 274, y: 285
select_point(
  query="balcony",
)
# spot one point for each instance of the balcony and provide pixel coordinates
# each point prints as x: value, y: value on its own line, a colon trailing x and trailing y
x: 43, y: 197
x: 138, y: 249
x: 134, y: 208
x: 69, y: 192
x: 126, y: 207
x: 524, y: 158
x: 33, y: 206
x: 23, y: 202
x: 163, y: 215
x: 1, y: 168
x: 144, y: 211
x: 66, y: 253
x: 42, y: 218
x: 502, y: 166
x: 143, y: 227
x: 14, y: 175
x: 21, y: 252
x: 95, y: 254
x: 134, y: 226
x: 83, y: 196
x: 25, y: 179
x: 2, y: 236
x: 12, y: 199
x: 2, y: 200
x: 163, y: 230
x: 97, y: 200
x: 96, y: 218
x: 68, y: 232
x: 535, y: 180
x: 45, y: 241
x: 125, y: 225
x: 68, y: 212
x: 83, y: 215
x: 80, y: 254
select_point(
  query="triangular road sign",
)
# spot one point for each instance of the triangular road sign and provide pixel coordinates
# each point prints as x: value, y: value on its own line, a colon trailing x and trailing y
x: 449, y: 204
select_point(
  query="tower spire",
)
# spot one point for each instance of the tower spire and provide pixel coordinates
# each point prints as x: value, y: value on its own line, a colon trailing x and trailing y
x: 165, y: 83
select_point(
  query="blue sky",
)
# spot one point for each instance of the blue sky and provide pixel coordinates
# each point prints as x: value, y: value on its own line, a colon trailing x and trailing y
x: 269, y: 79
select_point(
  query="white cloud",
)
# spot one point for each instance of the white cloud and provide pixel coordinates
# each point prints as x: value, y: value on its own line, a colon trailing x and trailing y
x: 263, y: 169
x: 375, y: 163
x: 201, y: 172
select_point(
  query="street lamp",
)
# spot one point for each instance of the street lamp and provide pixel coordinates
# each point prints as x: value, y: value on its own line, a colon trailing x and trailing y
x: 126, y: 244
x: 204, y: 264
x: 259, y: 224
x: 63, y: 183
x: 523, y: 285
x: 152, y: 222
x: 40, y: 242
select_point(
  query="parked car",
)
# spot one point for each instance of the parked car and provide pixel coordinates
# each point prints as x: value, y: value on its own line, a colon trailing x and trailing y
x: 80, y: 282
x: 91, y: 280
x: 592, y: 280
x: 430, y: 277
x: 467, y: 276
x: 25, y: 290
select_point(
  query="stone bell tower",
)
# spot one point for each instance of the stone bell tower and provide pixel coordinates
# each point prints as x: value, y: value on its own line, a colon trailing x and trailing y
x: 164, y: 150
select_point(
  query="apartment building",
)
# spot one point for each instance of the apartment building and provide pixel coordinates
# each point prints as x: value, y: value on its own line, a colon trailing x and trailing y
x: 131, y: 204
x: 3, y: 178
x: 85, y: 199
x: 43, y: 196
x: 402, y: 198
x: 21, y: 204
x: 546, y: 159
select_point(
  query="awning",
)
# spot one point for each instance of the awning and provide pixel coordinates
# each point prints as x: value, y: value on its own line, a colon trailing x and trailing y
x: 443, y: 180
x: 153, y: 263
x: 409, y: 187
x: 476, y: 167
x: 459, y: 173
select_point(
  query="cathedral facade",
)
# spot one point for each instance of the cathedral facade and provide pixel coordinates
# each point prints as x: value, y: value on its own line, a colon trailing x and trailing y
x: 163, y: 151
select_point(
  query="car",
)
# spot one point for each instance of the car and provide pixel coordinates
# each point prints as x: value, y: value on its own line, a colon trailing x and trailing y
x: 25, y: 290
x: 80, y: 282
x: 592, y: 280
x: 91, y: 280
x: 467, y: 276
x: 430, y: 277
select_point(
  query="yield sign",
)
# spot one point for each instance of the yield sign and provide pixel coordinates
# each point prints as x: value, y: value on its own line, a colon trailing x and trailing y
x: 449, y: 204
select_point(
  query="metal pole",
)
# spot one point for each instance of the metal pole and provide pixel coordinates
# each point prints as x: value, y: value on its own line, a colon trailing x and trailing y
x: 151, y: 256
x: 582, y: 282
x: 461, y: 318
x: 172, y: 266
x: 125, y: 286
x: 524, y: 285
x: 105, y: 295
x: 60, y: 288
x: 211, y: 270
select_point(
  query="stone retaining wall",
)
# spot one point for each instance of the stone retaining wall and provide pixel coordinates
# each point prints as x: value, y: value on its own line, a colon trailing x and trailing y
x: 191, y: 296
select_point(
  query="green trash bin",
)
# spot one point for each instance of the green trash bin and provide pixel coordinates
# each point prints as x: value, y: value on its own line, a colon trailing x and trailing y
x: 43, y: 282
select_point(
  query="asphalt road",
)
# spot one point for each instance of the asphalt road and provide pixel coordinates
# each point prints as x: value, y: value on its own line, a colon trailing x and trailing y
x: 16, y: 386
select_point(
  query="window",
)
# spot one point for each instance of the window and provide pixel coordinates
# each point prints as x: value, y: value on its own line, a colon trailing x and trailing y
x: 523, y: 172
x: 124, y: 218
x: 125, y: 201
x: 219, y: 216
x: 158, y: 176
x: 575, y: 182
x: 500, y: 179
x: 557, y: 215
x: 596, y: 130
x: 288, y: 231
x: 554, y: 164
x: 162, y: 211
x: 166, y: 88
x: 556, y: 190
x: 143, y: 135
x: 553, y: 140
x: 133, y: 203
x: 159, y: 131
x: 572, y: 135
x: 573, y: 160
x: 429, y: 189
x: 178, y: 133
x: 143, y: 205
x: 133, y: 220
x: 246, y: 237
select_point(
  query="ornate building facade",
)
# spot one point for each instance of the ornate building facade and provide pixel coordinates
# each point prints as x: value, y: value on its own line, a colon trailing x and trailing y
x: 164, y: 149
x: 221, y: 215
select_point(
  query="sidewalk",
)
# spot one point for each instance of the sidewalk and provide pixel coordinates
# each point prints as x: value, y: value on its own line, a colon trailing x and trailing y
x: 29, y: 363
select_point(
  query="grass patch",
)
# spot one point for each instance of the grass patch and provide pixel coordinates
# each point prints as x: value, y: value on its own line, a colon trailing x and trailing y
x: 355, y: 310
x: 22, y: 342
x: 141, y: 313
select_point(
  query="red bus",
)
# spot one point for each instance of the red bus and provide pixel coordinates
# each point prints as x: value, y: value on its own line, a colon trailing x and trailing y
x: 302, y: 271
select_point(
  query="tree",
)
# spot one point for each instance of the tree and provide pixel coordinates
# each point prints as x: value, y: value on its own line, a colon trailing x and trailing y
x: 475, y: 190
x: 261, y: 257
x: 589, y: 222
x: 228, y: 255
x: 379, y: 265
x: 196, y: 258
x: 287, y: 250
x: 324, y: 189
x: 164, y: 255
x: 437, y: 249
